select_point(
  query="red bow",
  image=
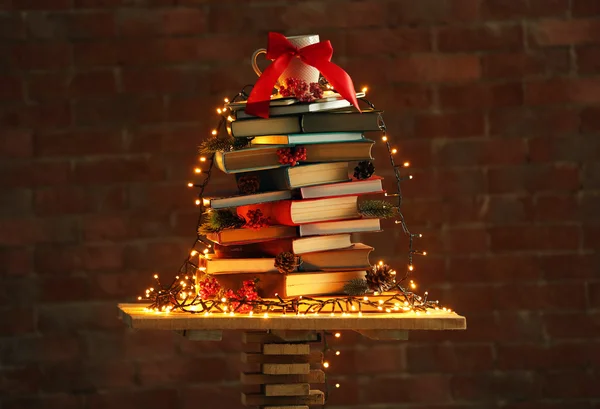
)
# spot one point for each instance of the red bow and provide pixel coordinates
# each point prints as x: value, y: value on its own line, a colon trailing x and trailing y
x: 282, y: 51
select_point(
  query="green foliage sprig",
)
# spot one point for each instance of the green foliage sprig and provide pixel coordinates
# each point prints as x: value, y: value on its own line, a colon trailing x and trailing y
x: 217, y: 220
x: 377, y: 208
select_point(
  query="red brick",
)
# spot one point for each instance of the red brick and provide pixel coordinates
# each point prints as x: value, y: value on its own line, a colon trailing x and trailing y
x: 481, y: 95
x: 62, y: 200
x: 432, y: 11
x: 465, y: 241
x: 64, y: 318
x: 589, y: 207
x: 53, y: 401
x: 40, y: 56
x: 553, y: 357
x: 499, y: 9
x: 557, y: 91
x: 489, y: 387
x: 571, y: 384
x: 78, y: 143
x: 155, y: 255
x: 588, y: 59
x: 12, y: 27
x: 150, y: 399
x: 530, y: 178
x: 591, y: 176
x: 422, y: 389
x: 211, y: 395
x: 138, y: 23
x: 16, y: 321
x: 560, y: 267
x: 571, y: 148
x: 536, y: 296
x: 186, y: 109
x: 164, y: 80
x: 97, y: 3
x: 591, y: 236
x: 65, y: 259
x: 507, y: 268
x: 20, y: 381
x: 44, y: 349
x: 82, y: 84
x: 17, y: 232
x: 594, y: 294
x: 16, y: 143
x: 565, y: 32
x: 175, y: 370
x: 45, y: 115
x: 155, y: 343
x: 541, y: 122
x: 11, y: 87
x: 41, y: 5
x: 96, y: 53
x: 556, y: 208
x: 117, y: 171
x: 585, y: 8
x: 489, y: 37
x: 116, y: 286
x: 449, y: 358
x: 434, y: 68
x: 387, y: 41
x: 516, y: 65
x: 523, y: 238
x: 72, y: 26
x: 16, y: 260
x: 63, y: 289
x: 461, y: 125
x: 480, y: 152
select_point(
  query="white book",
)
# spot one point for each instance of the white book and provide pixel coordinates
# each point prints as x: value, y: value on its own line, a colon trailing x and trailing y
x: 341, y: 226
x: 321, y: 243
x: 235, y: 201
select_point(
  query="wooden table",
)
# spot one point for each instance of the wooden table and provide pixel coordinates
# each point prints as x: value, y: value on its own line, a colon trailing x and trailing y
x: 280, y: 344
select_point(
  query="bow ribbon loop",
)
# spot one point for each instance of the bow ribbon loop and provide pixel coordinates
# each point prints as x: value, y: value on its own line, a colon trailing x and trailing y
x: 281, y: 51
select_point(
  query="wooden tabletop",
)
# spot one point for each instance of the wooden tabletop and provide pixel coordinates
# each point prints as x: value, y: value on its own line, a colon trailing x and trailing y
x: 135, y: 316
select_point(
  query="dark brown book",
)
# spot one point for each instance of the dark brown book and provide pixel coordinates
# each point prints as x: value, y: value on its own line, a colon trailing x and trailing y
x: 346, y: 121
x: 243, y: 236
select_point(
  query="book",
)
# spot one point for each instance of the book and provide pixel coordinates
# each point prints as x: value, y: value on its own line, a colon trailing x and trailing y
x: 317, y: 106
x: 274, y: 247
x: 306, y: 138
x: 265, y: 157
x: 216, y: 265
x: 270, y: 285
x: 340, y: 226
x: 306, y: 123
x: 296, y: 212
x: 244, y: 235
x: 354, y: 187
x: 243, y: 200
x: 288, y: 178
x: 355, y: 257
x: 278, y: 101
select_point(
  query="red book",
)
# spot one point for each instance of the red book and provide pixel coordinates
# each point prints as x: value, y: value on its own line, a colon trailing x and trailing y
x: 296, y: 212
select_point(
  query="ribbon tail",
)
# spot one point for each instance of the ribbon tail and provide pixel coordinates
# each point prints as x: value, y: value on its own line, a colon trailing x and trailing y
x: 339, y: 79
x: 260, y: 97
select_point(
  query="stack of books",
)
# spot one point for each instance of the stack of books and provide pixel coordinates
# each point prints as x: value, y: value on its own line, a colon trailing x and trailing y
x: 311, y: 208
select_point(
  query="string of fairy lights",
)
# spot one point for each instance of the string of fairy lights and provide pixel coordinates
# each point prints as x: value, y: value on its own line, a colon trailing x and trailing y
x: 181, y: 294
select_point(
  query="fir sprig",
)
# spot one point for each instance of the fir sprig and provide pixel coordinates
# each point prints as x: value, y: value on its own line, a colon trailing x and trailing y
x: 356, y: 286
x: 217, y: 220
x: 377, y: 208
x: 212, y: 145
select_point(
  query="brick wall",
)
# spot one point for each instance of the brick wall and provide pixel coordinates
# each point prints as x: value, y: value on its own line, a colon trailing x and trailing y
x: 496, y: 103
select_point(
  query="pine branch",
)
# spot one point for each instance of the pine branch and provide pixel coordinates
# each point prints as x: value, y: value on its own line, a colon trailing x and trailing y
x: 217, y: 220
x: 356, y: 286
x: 377, y: 208
x: 216, y: 144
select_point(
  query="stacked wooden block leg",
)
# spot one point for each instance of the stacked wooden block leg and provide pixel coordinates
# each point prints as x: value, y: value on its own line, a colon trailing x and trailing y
x: 287, y: 369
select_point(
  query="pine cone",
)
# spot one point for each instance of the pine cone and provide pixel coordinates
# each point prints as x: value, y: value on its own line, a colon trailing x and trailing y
x: 380, y: 277
x: 285, y: 262
x: 364, y: 170
x: 248, y: 184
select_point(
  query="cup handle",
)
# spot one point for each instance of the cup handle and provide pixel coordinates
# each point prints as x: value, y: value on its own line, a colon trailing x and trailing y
x: 253, y: 61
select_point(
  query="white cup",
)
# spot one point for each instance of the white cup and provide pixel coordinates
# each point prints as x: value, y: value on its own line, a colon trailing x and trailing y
x: 296, y: 68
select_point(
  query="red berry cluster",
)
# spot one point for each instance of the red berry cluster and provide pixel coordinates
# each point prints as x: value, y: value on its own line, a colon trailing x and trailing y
x: 298, y: 88
x: 255, y: 219
x: 208, y: 288
x: 291, y: 156
x: 246, y: 293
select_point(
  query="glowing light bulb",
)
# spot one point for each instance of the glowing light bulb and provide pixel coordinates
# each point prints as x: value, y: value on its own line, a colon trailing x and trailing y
x: 219, y: 110
x: 380, y: 262
x: 214, y: 132
x: 223, y: 299
x: 197, y: 170
x: 337, y: 335
x: 337, y: 353
x: 197, y: 202
x: 406, y: 164
x: 325, y: 364
x: 410, y: 176
x: 424, y: 253
x: 155, y: 275
x: 190, y: 184
x: 384, y: 138
x: 337, y: 385
x: 205, y: 251
x: 202, y: 159
x: 230, y: 118
x: 365, y: 89
x: 139, y: 298
x: 411, y: 268
x: 251, y: 313
x: 193, y: 253
x: 226, y: 100
x: 394, y: 151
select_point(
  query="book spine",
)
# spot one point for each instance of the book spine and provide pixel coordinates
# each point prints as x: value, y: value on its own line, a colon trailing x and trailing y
x: 281, y: 213
x: 253, y: 250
